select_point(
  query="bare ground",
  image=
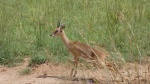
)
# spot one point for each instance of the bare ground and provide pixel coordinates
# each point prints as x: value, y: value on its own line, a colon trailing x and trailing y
x: 50, y: 73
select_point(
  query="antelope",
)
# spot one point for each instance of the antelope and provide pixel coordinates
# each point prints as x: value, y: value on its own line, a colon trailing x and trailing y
x: 79, y: 49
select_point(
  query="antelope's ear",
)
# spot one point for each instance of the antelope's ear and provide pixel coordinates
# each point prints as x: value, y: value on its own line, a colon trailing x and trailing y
x: 63, y: 26
x: 58, y: 24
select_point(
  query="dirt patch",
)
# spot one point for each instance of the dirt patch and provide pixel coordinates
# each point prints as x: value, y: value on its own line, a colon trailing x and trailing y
x: 50, y: 73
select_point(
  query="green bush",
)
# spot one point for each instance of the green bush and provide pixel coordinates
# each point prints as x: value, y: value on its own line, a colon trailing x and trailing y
x: 37, y: 59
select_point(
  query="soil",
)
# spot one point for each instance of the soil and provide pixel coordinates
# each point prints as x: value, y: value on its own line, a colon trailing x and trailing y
x: 52, y: 73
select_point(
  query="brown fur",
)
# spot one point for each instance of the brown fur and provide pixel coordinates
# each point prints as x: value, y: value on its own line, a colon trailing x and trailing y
x: 83, y: 50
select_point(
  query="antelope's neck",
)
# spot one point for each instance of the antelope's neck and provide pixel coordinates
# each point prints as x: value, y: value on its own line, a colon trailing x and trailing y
x: 65, y: 40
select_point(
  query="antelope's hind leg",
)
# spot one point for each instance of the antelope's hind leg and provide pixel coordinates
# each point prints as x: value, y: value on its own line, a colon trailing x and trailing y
x: 112, y: 66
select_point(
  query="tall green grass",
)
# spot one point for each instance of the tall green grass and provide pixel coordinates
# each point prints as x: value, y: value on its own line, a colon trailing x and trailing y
x: 122, y: 27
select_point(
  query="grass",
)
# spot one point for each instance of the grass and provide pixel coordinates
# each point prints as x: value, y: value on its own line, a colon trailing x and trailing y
x: 25, y: 71
x: 121, y: 27
x: 37, y: 59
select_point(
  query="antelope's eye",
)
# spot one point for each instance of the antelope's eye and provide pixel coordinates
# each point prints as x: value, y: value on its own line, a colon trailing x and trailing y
x: 56, y: 31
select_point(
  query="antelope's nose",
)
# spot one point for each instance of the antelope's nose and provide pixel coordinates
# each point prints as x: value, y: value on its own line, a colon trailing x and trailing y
x: 52, y: 34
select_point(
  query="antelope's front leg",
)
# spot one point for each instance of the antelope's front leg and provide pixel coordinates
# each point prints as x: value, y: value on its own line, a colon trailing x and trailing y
x: 74, y: 69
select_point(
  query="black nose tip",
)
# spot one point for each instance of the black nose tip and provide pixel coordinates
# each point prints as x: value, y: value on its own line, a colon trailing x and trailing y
x: 52, y: 35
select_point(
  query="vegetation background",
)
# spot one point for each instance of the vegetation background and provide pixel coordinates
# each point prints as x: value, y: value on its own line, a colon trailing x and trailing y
x: 122, y: 27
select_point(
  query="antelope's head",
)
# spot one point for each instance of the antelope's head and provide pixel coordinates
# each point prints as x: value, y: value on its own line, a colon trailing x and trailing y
x: 59, y: 30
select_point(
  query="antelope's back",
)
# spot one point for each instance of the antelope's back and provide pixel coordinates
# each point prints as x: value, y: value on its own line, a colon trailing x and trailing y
x: 84, y: 47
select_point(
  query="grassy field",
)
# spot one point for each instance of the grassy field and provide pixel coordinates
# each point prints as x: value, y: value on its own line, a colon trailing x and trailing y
x: 122, y: 27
